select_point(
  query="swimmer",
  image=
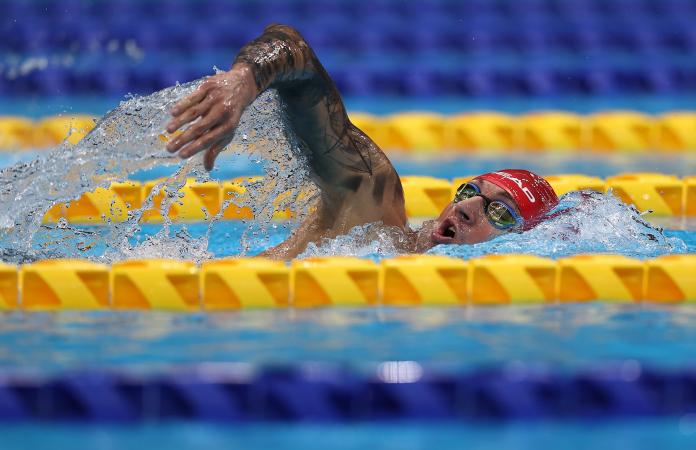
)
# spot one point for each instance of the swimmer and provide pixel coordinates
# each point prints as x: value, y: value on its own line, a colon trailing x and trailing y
x: 357, y: 182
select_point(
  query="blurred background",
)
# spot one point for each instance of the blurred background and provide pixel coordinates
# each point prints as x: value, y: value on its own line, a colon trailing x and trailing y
x: 385, y: 55
x: 583, y: 376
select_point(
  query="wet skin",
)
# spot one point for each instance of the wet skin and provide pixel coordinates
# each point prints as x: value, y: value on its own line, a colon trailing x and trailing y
x: 356, y: 180
x: 465, y: 222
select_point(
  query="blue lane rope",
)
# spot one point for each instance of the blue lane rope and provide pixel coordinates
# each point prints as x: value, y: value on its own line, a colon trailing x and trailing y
x: 334, y: 394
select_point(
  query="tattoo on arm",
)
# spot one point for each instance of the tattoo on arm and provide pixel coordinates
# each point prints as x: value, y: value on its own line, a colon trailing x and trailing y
x: 280, y: 58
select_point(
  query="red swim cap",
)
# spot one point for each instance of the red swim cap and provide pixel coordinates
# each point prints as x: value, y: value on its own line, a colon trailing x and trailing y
x: 533, y: 194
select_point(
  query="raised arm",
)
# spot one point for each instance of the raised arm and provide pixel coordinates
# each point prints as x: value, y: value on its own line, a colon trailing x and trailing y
x: 339, y: 152
x: 358, y: 183
x: 279, y: 58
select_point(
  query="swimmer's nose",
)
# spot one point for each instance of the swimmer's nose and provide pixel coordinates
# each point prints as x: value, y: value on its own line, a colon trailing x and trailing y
x: 468, y: 210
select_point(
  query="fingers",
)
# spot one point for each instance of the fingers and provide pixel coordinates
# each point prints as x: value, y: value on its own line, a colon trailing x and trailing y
x: 192, y: 113
x: 198, y: 95
x: 214, y: 116
x: 213, y: 137
x: 211, y: 155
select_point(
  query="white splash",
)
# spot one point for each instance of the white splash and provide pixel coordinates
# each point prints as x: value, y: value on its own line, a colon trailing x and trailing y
x: 584, y: 222
x: 129, y: 139
x: 374, y: 240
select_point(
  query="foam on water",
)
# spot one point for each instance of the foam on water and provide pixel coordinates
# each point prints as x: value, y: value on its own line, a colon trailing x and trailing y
x: 583, y: 222
x: 128, y: 139
x: 374, y: 240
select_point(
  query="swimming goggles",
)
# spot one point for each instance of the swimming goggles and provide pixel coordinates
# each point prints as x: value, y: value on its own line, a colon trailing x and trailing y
x: 499, y: 214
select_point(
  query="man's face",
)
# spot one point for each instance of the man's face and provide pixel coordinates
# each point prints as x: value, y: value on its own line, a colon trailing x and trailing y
x: 465, y: 222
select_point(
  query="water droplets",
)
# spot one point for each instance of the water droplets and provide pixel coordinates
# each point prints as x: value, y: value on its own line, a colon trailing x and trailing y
x: 584, y: 222
x: 130, y: 139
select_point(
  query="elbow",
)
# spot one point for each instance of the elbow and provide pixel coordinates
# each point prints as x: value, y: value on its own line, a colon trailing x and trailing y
x: 284, y: 31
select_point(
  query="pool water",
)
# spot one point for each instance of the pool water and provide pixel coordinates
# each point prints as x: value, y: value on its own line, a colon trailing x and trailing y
x: 569, y: 336
x: 643, y: 434
x: 566, y: 338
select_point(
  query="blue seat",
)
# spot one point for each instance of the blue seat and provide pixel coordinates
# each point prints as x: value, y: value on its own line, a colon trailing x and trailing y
x: 228, y: 35
x: 24, y: 10
x: 202, y: 63
x: 81, y: 77
x: 372, y: 39
x: 35, y: 37
x: 65, y: 9
x: 282, y: 12
x: 150, y: 38
x: 472, y: 81
x: 476, y: 8
x: 573, y: 8
x: 656, y: 78
x: 388, y: 81
x: 382, y: 23
x: 53, y: 80
x: 423, y: 8
x: 168, y: 8
x: 475, y: 39
x: 89, y: 32
x: 678, y: 8
x: 335, y: 32
x: 619, y: 8
x: 144, y: 79
x: 630, y: 39
x: 524, y: 8
x: 526, y: 82
x: 424, y: 82
x: 6, y: 87
x: 355, y: 82
x: 526, y: 40
x: 65, y: 35
x: 685, y: 77
x: 217, y: 8
x: 10, y: 38
x: 204, y: 37
x: 123, y: 10
x: 175, y: 73
x: 313, y: 8
x: 367, y: 9
x: 597, y: 81
x: 114, y: 80
x: 581, y: 40
x: 123, y: 29
x: 425, y: 39
x: 681, y: 39
x: 173, y: 34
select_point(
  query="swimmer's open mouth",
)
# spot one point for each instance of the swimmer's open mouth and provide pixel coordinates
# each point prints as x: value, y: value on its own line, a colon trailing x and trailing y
x: 445, y: 233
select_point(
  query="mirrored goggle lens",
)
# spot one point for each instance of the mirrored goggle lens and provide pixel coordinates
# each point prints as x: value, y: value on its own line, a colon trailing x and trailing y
x: 500, y: 215
x: 465, y: 191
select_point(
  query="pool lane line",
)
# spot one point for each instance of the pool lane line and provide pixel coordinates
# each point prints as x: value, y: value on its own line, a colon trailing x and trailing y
x: 405, y: 281
x: 425, y: 196
x: 394, y: 390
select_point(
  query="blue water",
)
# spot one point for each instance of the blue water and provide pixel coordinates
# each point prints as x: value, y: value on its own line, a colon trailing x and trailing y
x: 454, y: 165
x: 565, y: 337
x: 643, y: 434
x: 652, y: 104
x: 562, y: 336
x: 225, y: 239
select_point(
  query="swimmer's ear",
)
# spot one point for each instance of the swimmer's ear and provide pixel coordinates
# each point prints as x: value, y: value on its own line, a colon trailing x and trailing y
x: 210, y: 156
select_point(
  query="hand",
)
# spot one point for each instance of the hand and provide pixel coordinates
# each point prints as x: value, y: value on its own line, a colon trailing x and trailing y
x: 218, y: 104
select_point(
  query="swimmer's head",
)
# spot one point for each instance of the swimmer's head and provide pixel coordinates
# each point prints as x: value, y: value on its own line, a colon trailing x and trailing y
x: 493, y: 204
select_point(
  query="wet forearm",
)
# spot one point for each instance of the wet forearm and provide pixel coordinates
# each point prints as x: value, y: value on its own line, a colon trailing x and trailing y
x: 279, y: 54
